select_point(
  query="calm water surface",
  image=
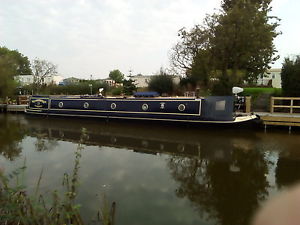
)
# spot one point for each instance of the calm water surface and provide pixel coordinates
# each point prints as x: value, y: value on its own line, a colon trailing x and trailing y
x: 156, y: 174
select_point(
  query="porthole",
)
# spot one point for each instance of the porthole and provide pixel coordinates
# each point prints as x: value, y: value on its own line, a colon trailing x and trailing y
x: 60, y: 104
x: 113, y: 106
x: 145, y: 107
x: 86, y: 105
x: 181, y: 107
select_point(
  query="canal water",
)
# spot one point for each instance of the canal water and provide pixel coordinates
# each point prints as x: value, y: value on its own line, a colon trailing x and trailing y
x: 156, y: 173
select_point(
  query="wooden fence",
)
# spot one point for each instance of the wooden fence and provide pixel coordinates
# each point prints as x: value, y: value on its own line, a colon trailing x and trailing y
x: 290, y: 106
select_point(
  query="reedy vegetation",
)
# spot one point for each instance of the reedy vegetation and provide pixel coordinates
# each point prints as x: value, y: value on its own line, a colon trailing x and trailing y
x: 18, y: 207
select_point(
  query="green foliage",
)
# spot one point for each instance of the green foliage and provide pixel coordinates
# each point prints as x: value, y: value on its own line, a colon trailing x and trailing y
x: 17, y: 207
x: 11, y: 63
x: 19, y: 63
x: 7, y: 72
x: 256, y: 91
x: 162, y: 83
x: 117, y: 91
x: 231, y: 46
x: 116, y: 75
x: 290, y: 77
x: 81, y: 88
x: 129, y: 87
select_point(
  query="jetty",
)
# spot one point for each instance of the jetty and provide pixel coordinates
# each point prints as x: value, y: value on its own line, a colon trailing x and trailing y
x: 13, y: 108
x: 18, y: 106
x: 284, y: 111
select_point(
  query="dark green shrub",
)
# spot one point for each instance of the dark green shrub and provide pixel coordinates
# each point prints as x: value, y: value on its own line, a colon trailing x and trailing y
x: 290, y: 77
x: 163, y: 84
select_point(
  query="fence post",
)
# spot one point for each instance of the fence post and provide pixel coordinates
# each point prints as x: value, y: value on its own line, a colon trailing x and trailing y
x: 272, y: 105
x: 248, y: 104
x: 292, y: 104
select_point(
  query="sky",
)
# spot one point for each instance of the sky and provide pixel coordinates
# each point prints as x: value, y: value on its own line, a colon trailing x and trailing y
x: 93, y: 37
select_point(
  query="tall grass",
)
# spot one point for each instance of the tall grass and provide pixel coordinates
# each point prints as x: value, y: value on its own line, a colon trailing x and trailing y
x: 18, y: 207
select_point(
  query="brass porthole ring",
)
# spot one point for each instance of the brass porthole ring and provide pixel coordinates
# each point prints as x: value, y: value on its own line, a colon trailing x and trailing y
x: 145, y: 107
x: 60, y: 104
x: 113, y: 105
x: 181, y: 107
x: 86, y: 105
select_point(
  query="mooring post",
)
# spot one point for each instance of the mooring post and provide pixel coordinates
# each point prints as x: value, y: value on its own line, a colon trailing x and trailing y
x: 265, y: 128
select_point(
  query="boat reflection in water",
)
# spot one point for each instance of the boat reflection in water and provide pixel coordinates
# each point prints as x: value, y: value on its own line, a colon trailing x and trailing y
x: 223, y: 174
x: 145, y: 138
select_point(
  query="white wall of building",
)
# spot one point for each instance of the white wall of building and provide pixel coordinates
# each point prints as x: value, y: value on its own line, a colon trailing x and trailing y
x: 273, y: 76
x: 29, y: 79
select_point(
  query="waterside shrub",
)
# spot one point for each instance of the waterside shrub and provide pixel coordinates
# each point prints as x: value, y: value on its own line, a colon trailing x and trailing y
x: 19, y: 207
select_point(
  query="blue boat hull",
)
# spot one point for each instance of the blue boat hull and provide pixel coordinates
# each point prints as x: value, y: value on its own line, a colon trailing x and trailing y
x: 216, y: 109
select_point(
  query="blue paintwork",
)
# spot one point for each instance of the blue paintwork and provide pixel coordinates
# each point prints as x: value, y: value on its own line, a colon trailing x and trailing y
x: 177, y: 109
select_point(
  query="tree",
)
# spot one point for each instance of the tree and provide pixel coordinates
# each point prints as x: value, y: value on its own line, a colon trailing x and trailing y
x: 12, y: 63
x: 290, y: 77
x: 42, y: 69
x: 129, y: 87
x: 19, y: 63
x: 7, y: 72
x: 231, y: 46
x: 162, y: 83
x: 116, y: 75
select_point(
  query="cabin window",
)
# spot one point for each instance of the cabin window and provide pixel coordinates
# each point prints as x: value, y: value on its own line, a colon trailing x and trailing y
x: 145, y: 107
x: 181, y: 107
x: 60, y: 105
x: 86, y: 105
x: 113, y: 106
x: 220, y: 105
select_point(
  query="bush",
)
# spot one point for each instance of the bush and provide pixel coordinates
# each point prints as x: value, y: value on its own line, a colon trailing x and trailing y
x: 18, y: 206
x: 163, y: 84
x: 117, y: 91
x: 81, y: 88
x: 290, y: 77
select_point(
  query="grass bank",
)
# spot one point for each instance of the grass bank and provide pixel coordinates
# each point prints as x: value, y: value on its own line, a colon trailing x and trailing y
x: 256, y: 91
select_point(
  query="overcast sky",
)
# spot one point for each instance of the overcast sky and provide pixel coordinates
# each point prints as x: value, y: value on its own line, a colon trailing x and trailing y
x: 93, y: 37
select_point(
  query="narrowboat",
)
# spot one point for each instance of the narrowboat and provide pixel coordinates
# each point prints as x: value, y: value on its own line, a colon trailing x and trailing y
x: 204, y: 110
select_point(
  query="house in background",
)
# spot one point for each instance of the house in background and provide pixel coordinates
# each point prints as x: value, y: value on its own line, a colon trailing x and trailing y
x: 270, y: 77
x: 140, y: 80
x: 69, y: 81
x: 112, y: 83
x: 29, y: 79
x: 24, y: 79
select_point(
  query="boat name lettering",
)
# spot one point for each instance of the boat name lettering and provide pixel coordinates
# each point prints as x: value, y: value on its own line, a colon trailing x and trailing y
x: 38, y: 103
